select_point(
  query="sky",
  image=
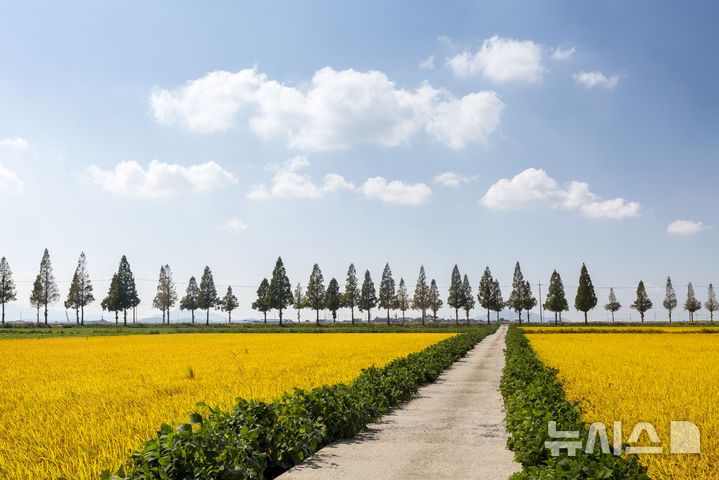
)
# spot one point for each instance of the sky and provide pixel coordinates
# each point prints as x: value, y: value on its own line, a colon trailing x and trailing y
x: 411, y: 133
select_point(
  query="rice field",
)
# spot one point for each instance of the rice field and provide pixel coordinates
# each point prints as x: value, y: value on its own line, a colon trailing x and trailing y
x: 72, y: 407
x: 644, y: 378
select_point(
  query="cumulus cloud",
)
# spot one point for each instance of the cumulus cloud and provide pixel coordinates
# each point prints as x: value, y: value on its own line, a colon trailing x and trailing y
x: 160, y: 179
x: 685, y: 227
x: 533, y: 188
x: 427, y: 64
x: 13, y: 142
x: 596, y: 79
x: 563, y: 53
x: 234, y: 226
x: 10, y: 184
x: 501, y: 60
x: 290, y: 182
x: 337, y: 110
x: 452, y: 179
x: 396, y: 191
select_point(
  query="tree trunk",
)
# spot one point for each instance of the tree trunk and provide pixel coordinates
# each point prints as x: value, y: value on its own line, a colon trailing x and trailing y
x: 560, y: 316
x: 402, y: 317
x: 77, y: 316
x: 280, y: 317
x: 207, y: 318
x: 352, y: 313
x: 612, y: 316
x: 670, y: 316
x: 265, y: 317
x: 3, y: 313
x: 45, y: 313
x: 388, y: 316
x: 82, y: 314
x: 456, y: 316
x: 520, y: 316
x: 555, y: 318
x: 487, y: 316
x: 527, y: 316
x: 423, y: 314
x: 117, y: 318
x: 497, y: 316
x: 193, y: 316
x: 585, y: 318
x: 467, y: 311
x: 124, y: 316
x: 163, y: 315
x: 229, y: 316
x: 369, y: 316
x: 317, y: 318
x: 38, y: 315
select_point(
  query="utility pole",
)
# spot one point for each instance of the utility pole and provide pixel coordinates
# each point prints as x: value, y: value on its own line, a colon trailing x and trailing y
x: 541, y: 308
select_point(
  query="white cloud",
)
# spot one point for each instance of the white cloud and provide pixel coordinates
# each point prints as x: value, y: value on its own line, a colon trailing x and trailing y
x: 160, y: 179
x: 10, y: 184
x: 501, y: 60
x: 337, y: 110
x: 13, y: 142
x: 234, y: 226
x: 596, y: 79
x: 451, y: 179
x: 396, y: 191
x: 685, y: 227
x: 468, y: 119
x: 563, y: 53
x: 533, y: 188
x: 289, y: 182
x: 427, y: 64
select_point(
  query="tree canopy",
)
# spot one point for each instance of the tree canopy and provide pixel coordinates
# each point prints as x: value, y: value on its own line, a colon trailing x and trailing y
x: 586, y: 299
x: 642, y: 303
x: 368, y: 296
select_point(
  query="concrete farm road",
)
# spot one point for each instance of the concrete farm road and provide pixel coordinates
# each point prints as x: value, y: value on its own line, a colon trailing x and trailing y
x: 454, y: 428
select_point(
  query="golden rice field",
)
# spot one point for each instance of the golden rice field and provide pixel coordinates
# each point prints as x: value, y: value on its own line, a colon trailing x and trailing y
x: 628, y: 328
x: 644, y: 378
x: 72, y: 407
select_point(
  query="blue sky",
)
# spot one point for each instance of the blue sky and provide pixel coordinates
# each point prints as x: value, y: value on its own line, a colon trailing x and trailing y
x: 477, y: 133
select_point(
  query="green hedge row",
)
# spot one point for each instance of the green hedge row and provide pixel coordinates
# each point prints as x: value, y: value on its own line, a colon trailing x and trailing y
x: 260, y: 440
x: 532, y: 398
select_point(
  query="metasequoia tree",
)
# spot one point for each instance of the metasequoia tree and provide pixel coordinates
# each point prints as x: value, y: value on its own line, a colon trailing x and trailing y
x: 484, y: 292
x: 387, y: 293
x: 279, y: 292
x: 467, y: 296
x: 455, y: 299
x: 435, y: 300
x: 670, y: 299
x: 207, y: 297
x: 613, y: 304
x: 642, y: 303
x: 368, y: 296
x: 402, y: 299
x: 315, y: 298
x: 189, y: 301
x: 692, y: 304
x: 420, y: 300
x: 228, y: 303
x: 352, y: 293
x: 586, y: 299
x: 333, y: 298
x: 556, y: 299
x: 7, y: 286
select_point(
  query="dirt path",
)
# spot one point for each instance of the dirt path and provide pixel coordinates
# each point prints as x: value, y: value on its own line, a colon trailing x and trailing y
x: 453, y: 428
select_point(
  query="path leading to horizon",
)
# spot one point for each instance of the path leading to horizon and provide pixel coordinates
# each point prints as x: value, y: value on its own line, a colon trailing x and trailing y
x: 453, y: 428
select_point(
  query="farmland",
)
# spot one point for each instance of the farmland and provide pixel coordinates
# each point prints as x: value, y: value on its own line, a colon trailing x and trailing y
x: 75, y: 406
x: 635, y: 377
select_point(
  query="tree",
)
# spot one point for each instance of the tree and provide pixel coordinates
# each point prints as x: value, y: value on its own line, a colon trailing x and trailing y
x: 692, y: 304
x: 586, y: 298
x: 111, y: 302
x: 368, y: 296
x: 316, y: 291
x: 207, y: 297
x: 333, y: 298
x: 262, y: 303
x: 468, y: 296
x: 387, y: 294
x: 189, y: 301
x: 434, y: 300
x: 420, y: 301
x: 49, y: 292
x: 613, y: 304
x: 497, y: 303
x: 517, y: 299
x: 228, y: 303
x: 670, y: 300
x: 298, y: 301
x: 279, y: 293
x: 455, y: 299
x: 529, y: 300
x: 642, y: 303
x: 484, y: 292
x: 36, y: 296
x: 352, y: 293
x: 127, y: 291
x: 711, y: 304
x: 7, y: 286
x: 402, y: 298
x: 166, y: 296
x: 556, y: 299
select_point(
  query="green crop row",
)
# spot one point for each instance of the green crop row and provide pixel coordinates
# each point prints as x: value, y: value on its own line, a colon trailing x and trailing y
x: 532, y: 398
x: 260, y: 440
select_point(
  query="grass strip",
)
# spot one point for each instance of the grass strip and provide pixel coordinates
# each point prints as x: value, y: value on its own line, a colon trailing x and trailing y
x: 532, y: 398
x: 258, y: 440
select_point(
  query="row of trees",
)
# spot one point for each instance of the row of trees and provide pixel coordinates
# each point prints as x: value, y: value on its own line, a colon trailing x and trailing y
x: 277, y: 294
